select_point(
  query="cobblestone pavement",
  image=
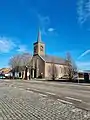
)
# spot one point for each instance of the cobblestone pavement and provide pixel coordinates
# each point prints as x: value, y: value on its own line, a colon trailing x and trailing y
x: 19, y: 104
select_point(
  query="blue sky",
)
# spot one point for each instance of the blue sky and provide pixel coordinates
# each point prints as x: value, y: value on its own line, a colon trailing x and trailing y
x: 64, y: 23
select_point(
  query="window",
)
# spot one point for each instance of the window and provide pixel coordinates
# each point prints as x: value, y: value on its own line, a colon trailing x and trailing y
x: 41, y: 48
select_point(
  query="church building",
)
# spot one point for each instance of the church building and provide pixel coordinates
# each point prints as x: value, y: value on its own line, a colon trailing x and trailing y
x: 41, y: 62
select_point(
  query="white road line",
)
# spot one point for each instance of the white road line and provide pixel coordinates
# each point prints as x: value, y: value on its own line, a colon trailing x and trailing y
x: 66, y: 102
x: 70, y: 98
x: 30, y: 91
x: 50, y: 93
x: 36, y: 90
x: 42, y: 95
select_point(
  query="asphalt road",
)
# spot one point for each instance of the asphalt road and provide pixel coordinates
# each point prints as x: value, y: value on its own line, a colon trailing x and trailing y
x: 36, y: 100
x: 77, y: 94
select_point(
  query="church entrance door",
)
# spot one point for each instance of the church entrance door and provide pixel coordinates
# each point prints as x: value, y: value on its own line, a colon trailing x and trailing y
x: 34, y: 73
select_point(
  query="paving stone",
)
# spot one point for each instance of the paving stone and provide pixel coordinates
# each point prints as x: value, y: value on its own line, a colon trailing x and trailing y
x: 16, y: 104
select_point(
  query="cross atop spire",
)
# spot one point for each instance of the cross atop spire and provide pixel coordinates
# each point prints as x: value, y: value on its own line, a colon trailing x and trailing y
x: 39, y: 36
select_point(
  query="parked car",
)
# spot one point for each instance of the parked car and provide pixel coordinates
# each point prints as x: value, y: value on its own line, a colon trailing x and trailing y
x: 2, y: 76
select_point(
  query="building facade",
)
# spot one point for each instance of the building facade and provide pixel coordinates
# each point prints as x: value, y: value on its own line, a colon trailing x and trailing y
x: 41, y: 62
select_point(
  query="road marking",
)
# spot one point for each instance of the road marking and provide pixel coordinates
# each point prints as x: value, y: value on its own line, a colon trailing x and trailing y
x: 43, y: 95
x: 36, y: 90
x: 66, y: 102
x: 50, y: 93
x: 74, y: 99
x: 29, y: 91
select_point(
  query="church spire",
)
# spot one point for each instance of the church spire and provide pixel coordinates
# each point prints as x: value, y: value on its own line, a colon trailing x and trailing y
x: 39, y: 36
x: 39, y: 46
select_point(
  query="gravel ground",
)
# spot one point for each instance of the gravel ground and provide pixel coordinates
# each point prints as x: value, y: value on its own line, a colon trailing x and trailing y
x: 19, y: 104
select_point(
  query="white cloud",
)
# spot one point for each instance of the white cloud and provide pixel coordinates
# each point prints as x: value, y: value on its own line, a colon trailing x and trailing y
x: 22, y: 48
x: 44, y: 22
x: 83, y: 54
x: 83, y: 11
x: 6, y: 45
x: 80, y: 11
x: 51, y: 29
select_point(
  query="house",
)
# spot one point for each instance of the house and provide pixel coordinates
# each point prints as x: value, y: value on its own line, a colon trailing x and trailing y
x: 6, y: 72
x: 81, y: 74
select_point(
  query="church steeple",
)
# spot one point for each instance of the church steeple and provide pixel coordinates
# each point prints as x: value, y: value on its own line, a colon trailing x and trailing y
x: 39, y: 46
x: 39, y: 36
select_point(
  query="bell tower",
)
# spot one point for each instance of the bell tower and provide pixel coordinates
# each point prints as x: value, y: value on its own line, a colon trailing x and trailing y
x: 39, y: 46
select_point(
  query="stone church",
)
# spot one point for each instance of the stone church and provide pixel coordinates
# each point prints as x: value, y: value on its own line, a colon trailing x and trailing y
x: 41, y: 62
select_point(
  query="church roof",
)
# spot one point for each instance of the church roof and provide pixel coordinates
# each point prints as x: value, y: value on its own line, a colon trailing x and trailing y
x: 50, y: 59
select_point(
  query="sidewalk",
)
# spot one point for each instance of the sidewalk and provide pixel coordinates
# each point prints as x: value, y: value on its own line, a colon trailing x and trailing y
x: 58, y: 82
x: 44, y: 81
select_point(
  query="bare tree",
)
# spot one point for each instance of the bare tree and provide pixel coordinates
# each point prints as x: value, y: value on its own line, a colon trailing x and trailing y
x: 53, y: 71
x: 20, y: 63
x: 26, y: 63
x: 71, y: 67
x: 14, y: 63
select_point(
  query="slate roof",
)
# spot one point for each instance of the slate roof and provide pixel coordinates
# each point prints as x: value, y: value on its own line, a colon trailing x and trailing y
x: 57, y: 60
